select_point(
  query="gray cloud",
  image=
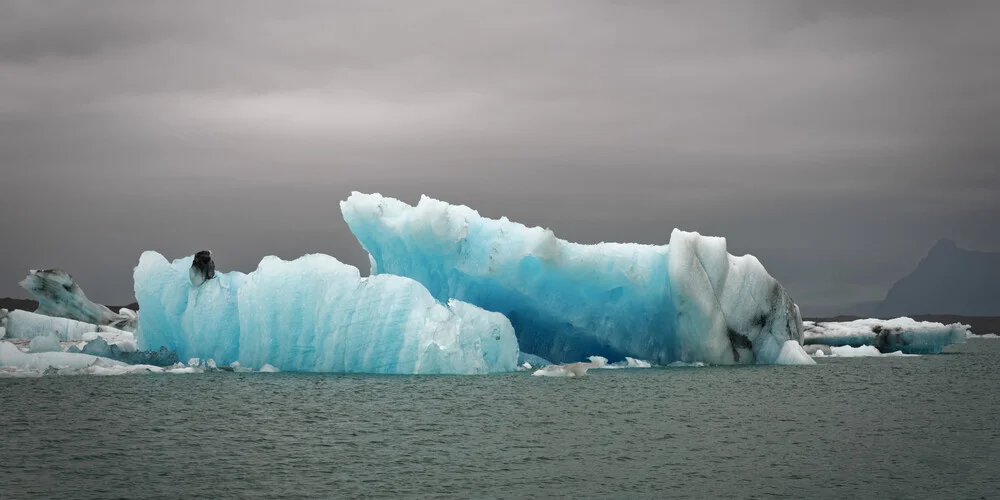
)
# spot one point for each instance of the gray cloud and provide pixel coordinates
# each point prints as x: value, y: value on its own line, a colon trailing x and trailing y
x: 835, y: 140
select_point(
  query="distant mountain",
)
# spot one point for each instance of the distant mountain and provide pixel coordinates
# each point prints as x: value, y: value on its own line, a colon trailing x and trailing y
x: 22, y: 304
x: 949, y: 280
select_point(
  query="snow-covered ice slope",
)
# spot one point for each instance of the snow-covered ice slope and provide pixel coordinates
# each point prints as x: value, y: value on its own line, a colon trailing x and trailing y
x: 887, y: 335
x: 686, y: 301
x: 316, y: 314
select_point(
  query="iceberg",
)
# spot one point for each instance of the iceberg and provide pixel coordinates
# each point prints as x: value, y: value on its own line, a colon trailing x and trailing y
x: 315, y: 314
x: 15, y: 363
x: 688, y: 301
x: 886, y: 335
x: 28, y: 325
x: 59, y: 296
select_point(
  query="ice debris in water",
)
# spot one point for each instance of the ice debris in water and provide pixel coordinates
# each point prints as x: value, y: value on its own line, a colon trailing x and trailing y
x: 59, y: 296
x: 899, y: 334
x: 793, y: 354
x: 579, y: 369
x: 687, y: 301
x: 316, y: 314
x: 968, y: 335
x: 865, y: 351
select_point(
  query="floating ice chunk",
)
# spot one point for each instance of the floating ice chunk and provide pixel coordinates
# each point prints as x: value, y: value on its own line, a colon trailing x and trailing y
x: 687, y: 301
x: 899, y: 354
x: 316, y: 314
x: 847, y: 351
x: 238, y: 368
x: 968, y: 335
x: 682, y: 364
x: 27, y: 325
x: 268, y: 369
x: 793, y: 354
x: 630, y: 362
x: 46, y: 343
x: 185, y: 370
x: 13, y: 362
x: 899, y: 334
x: 59, y: 296
x: 637, y: 363
x: 566, y: 370
x: 578, y: 369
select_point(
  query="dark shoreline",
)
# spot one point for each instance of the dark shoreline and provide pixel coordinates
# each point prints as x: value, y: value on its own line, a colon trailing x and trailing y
x: 30, y: 305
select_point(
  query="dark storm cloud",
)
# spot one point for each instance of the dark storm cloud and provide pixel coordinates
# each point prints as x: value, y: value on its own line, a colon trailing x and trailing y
x: 835, y: 140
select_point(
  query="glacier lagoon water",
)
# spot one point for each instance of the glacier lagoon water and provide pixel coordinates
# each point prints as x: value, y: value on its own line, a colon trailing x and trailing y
x: 913, y: 427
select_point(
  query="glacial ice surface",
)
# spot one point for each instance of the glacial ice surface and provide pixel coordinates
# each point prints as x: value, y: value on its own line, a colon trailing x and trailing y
x: 28, y: 325
x: 45, y: 343
x: 887, y: 335
x: 316, y: 314
x: 688, y: 301
x: 15, y: 363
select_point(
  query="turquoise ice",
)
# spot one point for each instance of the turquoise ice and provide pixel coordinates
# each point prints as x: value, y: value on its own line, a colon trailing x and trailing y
x: 316, y: 314
x: 687, y: 301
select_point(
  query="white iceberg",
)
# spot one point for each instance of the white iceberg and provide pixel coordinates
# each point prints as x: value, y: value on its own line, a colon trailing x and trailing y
x: 886, y: 335
x: 15, y: 363
x: 59, y: 296
x: 28, y: 325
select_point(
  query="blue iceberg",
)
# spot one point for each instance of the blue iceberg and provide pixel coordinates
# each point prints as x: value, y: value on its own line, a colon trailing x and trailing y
x: 316, y: 314
x: 687, y: 301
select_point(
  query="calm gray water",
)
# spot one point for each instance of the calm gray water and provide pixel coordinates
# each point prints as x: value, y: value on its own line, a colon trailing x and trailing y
x: 924, y: 427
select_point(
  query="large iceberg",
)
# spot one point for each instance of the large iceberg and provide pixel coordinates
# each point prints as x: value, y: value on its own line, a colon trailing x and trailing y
x: 59, y: 296
x: 315, y: 314
x: 886, y: 335
x: 687, y: 301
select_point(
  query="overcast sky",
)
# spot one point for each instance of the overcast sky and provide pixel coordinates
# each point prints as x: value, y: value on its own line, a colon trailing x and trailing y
x: 835, y: 140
